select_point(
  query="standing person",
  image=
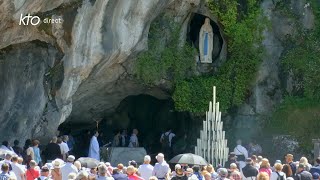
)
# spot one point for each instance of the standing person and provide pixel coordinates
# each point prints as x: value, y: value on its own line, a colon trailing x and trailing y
x: 213, y: 173
x: 5, y: 146
x: 265, y: 167
x: 118, y: 175
x: 278, y: 174
x: 56, y: 171
x: 124, y: 138
x: 179, y: 175
x: 52, y: 150
x: 36, y: 151
x: 289, y: 160
x: 64, y: 147
x: 242, y: 154
x: 16, y: 148
x: 103, y: 173
x: 68, y: 168
x: 249, y: 171
x: 44, y: 173
x: 223, y: 174
x: 287, y: 170
x: 145, y: 170
x: 32, y: 173
x: 5, y: 170
x: 166, y: 142
x: 302, y: 174
x: 234, y: 172
x: 161, y: 169
x: 116, y: 139
x: 231, y: 159
x: 190, y: 175
x: 134, y: 142
x: 94, y: 151
x: 27, y: 152
x: 255, y: 162
x: 132, y: 174
x: 305, y: 162
x: 316, y: 167
x: 17, y: 169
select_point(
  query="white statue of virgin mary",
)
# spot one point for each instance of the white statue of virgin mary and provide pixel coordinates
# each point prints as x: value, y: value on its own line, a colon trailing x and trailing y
x: 206, y: 42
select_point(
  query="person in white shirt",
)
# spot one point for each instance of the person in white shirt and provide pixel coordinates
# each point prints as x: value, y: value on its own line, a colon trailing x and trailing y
x: 134, y: 139
x: 17, y: 169
x: 44, y: 173
x: 64, y: 147
x: 278, y: 172
x: 68, y: 168
x: 145, y: 170
x: 5, y: 146
x: 94, y: 149
x: 161, y: 169
x: 242, y: 154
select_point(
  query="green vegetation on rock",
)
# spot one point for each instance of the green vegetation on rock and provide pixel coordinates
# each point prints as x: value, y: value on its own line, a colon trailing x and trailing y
x: 243, y: 28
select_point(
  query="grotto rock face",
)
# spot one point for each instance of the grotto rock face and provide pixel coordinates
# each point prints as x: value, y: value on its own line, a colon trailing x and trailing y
x: 80, y: 69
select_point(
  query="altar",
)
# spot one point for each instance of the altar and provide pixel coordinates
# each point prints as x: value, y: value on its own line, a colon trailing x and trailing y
x: 116, y: 155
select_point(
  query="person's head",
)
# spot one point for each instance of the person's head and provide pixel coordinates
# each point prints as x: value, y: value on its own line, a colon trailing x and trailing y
x: 239, y: 142
x: 289, y: 158
x: 8, y: 157
x: 301, y: 167
x: 223, y: 172
x: 65, y: 138
x: 147, y: 159
x: 207, y: 176
x: 315, y: 176
x: 130, y: 170
x: 177, y: 166
x: 133, y: 163
x: 287, y: 170
x: 82, y: 175
x: 5, y: 167
x: 196, y: 168
x: 318, y: 160
x: 265, y: 163
x: 303, y: 160
x: 232, y: 156
x: 20, y: 160
x: 189, y: 171
x: 102, y: 170
x: 254, y: 158
x: 96, y: 134
x: 135, y: 131
x: 32, y: 164
x: 233, y: 167
x: 71, y: 159
x: 259, y: 159
x: 278, y: 167
x: 27, y: 143
x: 35, y: 143
x: 16, y: 142
x: 263, y: 176
x: 249, y: 161
x: 45, y: 171
x: 56, y: 164
x: 210, y: 168
x: 120, y: 166
x: 94, y: 170
x: 179, y: 172
x: 5, y: 143
x: 72, y: 176
x: 59, y: 140
x: 14, y: 159
x: 77, y: 164
x: 115, y: 171
x: 160, y: 157
x: 54, y: 139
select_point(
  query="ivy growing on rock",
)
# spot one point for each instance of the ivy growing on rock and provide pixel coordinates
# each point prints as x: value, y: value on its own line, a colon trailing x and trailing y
x: 243, y: 29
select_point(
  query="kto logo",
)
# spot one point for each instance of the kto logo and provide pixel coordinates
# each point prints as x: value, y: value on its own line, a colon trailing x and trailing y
x: 33, y: 20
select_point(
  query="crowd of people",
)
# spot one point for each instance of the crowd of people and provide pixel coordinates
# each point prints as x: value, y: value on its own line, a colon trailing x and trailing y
x: 26, y: 164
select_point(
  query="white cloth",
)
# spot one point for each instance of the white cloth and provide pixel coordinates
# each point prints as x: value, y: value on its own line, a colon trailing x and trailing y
x: 64, y: 148
x: 171, y: 135
x: 67, y: 169
x: 145, y: 170
x: 104, y: 178
x: 5, y: 161
x: 240, y: 150
x: 6, y: 148
x: 133, y: 139
x: 192, y: 177
x: 94, y: 151
x: 44, y: 178
x: 160, y: 170
x: 17, y: 170
x: 274, y: 175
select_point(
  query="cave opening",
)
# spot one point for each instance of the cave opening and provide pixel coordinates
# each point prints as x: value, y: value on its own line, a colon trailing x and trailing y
x: 197, y: 20
x: 151, y: 116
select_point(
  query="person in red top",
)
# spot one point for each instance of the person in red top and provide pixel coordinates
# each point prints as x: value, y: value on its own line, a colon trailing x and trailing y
x: 32, y: 173
x: 132, y: 174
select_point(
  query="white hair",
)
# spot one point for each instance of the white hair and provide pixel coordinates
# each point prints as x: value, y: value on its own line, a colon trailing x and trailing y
x: 147, y: 158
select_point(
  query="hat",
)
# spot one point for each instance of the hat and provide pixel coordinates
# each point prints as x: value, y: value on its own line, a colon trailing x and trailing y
x: 289, y: 156
x: 71, y: 158
x: 315, y: 176
x: 223, y: 172
x: 177, y: 166
x: 232, y: 154
x: 260, y: 158
x: 57, y: 163
x: 189, y: 170
x: 278, y: 161
x: 44, y: 169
